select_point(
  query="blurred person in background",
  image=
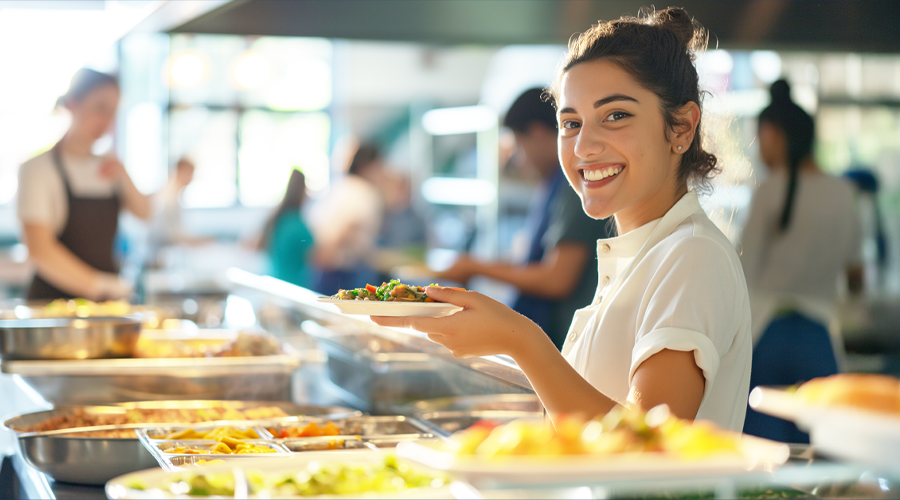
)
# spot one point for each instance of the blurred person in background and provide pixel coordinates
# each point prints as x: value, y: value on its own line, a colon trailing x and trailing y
x: 346, y: 223
x: 69, y: 200
x: 802, y: 236
x: 167, y: 228
x: 404, y: 233
x: 286, y: 239
x: 558, y: 275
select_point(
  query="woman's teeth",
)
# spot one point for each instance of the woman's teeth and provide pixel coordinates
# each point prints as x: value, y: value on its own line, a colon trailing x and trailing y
x: 602, y: 173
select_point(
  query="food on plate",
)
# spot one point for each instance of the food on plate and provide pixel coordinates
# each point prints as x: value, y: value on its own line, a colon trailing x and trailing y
x: 82, y: 418
x: 392, y: 291
x: 245, y: 343
x: 215, y: 433
x: 879, y: 393
x: 316, y: 478
x: 224, y: 446
x: 620, y: 431
x: 311, y: 430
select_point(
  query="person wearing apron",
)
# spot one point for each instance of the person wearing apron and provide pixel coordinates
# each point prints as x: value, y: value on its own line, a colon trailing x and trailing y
x: 670, y: 321
x: 803, y: 233
x: 69, y: 201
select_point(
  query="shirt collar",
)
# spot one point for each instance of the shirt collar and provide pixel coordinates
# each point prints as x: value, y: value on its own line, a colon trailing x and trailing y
x: 630, y: 243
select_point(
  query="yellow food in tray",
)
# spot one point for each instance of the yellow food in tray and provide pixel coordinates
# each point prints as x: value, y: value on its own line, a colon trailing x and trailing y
x: 218, y: 432
x: 225, y: 446
x: 619, y: 432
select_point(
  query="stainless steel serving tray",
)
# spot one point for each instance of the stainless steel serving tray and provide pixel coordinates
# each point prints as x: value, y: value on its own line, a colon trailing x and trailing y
x: 68, y: 338
x: 490, y: 402
x: 103, y: 381
x: 91, y: 460
x: 445, y: 423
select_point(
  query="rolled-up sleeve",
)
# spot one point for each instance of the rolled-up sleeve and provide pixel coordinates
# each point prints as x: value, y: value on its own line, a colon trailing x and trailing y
x: 693, y: 303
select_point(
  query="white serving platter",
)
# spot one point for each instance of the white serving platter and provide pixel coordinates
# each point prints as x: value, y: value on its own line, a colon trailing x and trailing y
x: 380, y: 308
x: 840, y: 432
x: 757, y: 454
x: 156, y: 481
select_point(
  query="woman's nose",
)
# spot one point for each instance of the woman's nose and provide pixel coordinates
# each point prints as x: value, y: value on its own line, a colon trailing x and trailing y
x: 589, y: 142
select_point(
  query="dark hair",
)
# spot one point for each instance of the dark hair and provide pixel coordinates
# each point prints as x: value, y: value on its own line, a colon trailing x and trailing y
x: 799, y: 132
x: 528, y: 108
x: 365, y: 155
x: 657, y: 49
x: 294, y: 196
x: 85, y: 81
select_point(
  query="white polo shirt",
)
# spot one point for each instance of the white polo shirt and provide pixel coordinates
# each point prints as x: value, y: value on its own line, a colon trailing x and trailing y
x: 675, y: 283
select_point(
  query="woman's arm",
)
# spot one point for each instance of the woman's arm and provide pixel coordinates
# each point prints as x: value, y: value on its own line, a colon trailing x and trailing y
x: 64, y: 270
x: 487, y: 327
x: 133, y: 200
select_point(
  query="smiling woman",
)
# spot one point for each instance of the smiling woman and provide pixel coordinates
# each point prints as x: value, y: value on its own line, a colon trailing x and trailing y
x: 670, y: 321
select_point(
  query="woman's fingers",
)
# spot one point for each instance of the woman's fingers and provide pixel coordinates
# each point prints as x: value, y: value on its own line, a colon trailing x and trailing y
x: 456, y: 297
x: 427, y: 325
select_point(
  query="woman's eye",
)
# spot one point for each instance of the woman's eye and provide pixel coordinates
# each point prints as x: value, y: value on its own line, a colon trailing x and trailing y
x: 569, y: 125
x: 616, y: 116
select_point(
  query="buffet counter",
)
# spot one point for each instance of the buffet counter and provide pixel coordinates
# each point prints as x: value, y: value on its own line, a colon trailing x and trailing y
x: 350, y: 363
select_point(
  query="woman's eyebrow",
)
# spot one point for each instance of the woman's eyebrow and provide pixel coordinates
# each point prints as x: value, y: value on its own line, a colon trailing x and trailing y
x: 601, y: 102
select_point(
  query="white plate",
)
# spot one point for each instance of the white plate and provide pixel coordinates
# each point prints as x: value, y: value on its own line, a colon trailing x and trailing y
x: 157, y: 481
x: 840, y: 432
x: 758, y: 454
x: 380, y: 308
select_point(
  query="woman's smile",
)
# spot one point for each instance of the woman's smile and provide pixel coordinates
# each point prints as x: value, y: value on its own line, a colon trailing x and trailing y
x: 596, y: 176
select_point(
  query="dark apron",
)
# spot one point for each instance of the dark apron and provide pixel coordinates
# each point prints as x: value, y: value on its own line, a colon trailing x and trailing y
x: 89, y: 233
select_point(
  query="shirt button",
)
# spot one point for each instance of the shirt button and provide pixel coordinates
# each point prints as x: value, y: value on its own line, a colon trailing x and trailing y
x: 605, y: 248
x: 573, y: 336
x: 606, y: 280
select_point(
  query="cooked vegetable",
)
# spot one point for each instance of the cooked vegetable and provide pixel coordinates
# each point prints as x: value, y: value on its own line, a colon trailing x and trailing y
x: 225, y: 446
x: 213, y: 434
x: 620, y: 431
x: 314, y: 479
x: 311, y: 430
x: 392, y: 291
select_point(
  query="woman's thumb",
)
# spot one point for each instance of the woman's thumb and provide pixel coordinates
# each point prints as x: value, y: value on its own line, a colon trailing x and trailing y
x: 449, y: 295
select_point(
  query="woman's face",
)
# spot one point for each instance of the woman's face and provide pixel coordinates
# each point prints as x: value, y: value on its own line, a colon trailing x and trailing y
x: 772, y: 145
x: 93, y: 115
x: 613, y: 146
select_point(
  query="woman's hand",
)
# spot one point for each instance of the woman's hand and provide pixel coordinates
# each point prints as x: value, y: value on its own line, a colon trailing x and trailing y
x: 484, y: 327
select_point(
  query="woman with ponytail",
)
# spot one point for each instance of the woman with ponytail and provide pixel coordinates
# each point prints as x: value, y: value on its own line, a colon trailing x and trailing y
x: 803, y: 233
x: 670, y: 320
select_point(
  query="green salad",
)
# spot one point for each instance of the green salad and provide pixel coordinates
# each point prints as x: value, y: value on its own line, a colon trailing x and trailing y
x: 316, y: 479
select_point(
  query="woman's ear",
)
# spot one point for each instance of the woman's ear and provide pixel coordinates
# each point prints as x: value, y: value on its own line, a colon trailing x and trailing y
x: 688, y: 117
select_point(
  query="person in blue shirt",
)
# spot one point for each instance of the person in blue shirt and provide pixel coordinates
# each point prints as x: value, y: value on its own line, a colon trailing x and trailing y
x: 286, y: 238
x: 559, y: 273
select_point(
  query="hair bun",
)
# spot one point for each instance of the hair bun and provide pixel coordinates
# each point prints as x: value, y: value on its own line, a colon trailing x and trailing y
x: 676, y: 20
x: 780, y: 91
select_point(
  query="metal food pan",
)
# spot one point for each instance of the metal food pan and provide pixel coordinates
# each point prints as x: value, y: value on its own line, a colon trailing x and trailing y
x: 68, y: 338
x: 164, y: 445
x: 323, y: 443
x: 488, y: 402
x: 364, y: 426
x: 103, y: 381
x: 445, y: 423
x: 94, y: 461
x: 178, y: 463
x: 156, y: 433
